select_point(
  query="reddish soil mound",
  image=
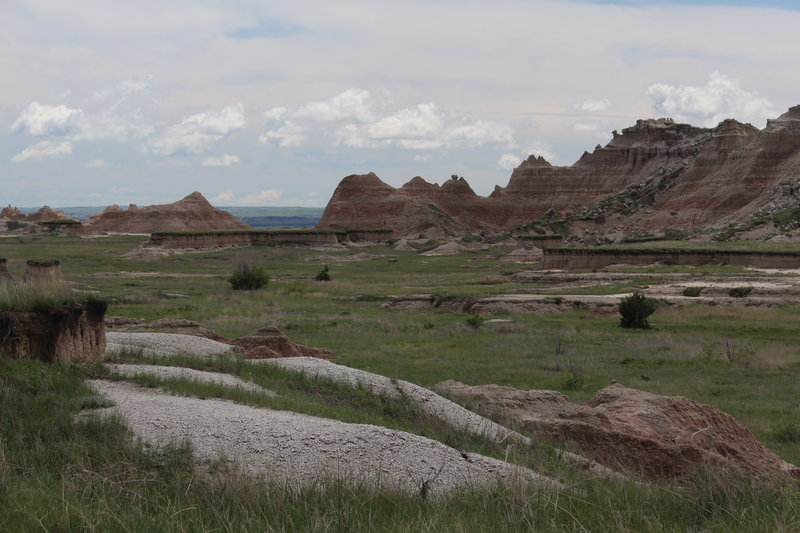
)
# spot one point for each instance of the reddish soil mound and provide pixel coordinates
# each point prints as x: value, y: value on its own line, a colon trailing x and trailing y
x: 11, y: 213
x: 269, y: 343
x: 45, y: 214
x: 192, y: 213
x: 634, y: 430
x: 656, y: 174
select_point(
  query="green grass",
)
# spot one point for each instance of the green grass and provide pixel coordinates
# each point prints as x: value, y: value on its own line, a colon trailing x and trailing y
x: 84, y: 475
x: 40, y: 297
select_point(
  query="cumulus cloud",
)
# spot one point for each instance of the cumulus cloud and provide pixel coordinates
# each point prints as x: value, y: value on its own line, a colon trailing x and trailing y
x: 357, y: 119
x: 708, y: 105
x: 44, y: 150
x: 593, y: 105
x: 96, y: 163
x: 224, y: 160
x: 199, y: 131
x: 42, y: 119
x: 509, y: 161
x: 223, y: 198
x: 261, y: 197
x: 586, y: 126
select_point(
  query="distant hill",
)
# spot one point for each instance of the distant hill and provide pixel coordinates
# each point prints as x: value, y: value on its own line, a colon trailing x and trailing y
x: 257, y: 217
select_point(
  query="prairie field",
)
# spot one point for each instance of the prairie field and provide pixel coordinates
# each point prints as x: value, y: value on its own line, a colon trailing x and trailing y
x: 59, y: 471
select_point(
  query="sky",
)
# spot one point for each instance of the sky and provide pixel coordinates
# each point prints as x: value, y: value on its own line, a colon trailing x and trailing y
x: 255, y: 102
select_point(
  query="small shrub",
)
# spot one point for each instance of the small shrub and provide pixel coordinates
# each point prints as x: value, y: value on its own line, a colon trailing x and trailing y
x: 475, y: 321
x: 96, y: 402
x: 247, y: 278
x: 634, y: 310
x: 786, y: 432
x: 740, y: 292
x: 324, y: 275
x: 572, y: 381
x: 693, y: 292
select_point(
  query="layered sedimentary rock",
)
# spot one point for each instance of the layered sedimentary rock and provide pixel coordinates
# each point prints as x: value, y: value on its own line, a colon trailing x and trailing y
x: 66, y: 334
x: 44, y: 214
x: 192, y: 213
x: 43, y: 272
x: 655, y: 174
x: 633, y: 430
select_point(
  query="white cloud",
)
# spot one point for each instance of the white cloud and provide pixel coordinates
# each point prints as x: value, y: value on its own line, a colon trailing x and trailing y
x: 44, y: 150
x: 42, y: 119
x: 224, y: 160
x: 261, y: 197
x: 509, y: 161
x: 720, y: 98
x: 593, y: 105
x: 196, y: 133
x: 289, y: 134
x: 422, y: 157
x: 356, y: 119
x: 352, y: 104
x: 96, y: 163
x: 223, y: 198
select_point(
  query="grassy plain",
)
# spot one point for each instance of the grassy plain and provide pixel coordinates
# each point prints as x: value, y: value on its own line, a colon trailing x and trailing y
x: 745, y: 360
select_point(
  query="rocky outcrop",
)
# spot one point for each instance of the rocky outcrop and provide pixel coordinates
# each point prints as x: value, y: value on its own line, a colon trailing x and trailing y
x: 46, y: 214
x: 43, y: 272
x: 192, y: 213
x: 654, y: 175
x: 11, y: 213
x: 633, y: 430
x: 63, y: 335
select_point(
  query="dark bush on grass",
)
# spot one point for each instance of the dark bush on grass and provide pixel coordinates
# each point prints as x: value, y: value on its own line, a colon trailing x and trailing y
x: 324, y: 275
x: 740, y: 292
x: 248, y: 278
x: 634, y: 310
x: 693, y: 292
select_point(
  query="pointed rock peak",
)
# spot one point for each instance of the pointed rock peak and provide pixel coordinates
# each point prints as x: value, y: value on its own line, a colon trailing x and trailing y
x: 534, y: 161
x: 418, y: 183
x: 457, y: 185
x: 195, y: 197
x: 793, y: 113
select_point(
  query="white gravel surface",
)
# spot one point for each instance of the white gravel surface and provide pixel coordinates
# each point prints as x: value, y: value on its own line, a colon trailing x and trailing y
x: 430, y: 402
x: 302, y: 449
x: 165, y: 344
x: 187, y: 373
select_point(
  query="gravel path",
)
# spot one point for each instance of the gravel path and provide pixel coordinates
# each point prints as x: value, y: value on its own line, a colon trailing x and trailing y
x: 303, y: 449
x: 165, y: 344
x: 187, y: 373
x: 430, y: 402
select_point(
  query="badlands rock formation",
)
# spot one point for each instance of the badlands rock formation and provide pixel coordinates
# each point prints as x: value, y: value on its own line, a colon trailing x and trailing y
x: 45, y: 214
x: 633, y: 430
x: 656, y: 174
x: 192, y: 213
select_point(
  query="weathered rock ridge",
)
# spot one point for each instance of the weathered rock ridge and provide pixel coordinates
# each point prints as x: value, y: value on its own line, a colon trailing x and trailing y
x: 656, y: 174
x: 633, y: 430
x: 192, y: 213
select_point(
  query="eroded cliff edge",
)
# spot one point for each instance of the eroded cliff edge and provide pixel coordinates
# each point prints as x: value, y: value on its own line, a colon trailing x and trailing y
x: 654, y: 175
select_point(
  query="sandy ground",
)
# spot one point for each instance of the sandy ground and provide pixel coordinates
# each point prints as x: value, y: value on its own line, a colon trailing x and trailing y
x: 165, y: 344
x: 302, y: 449
x: 187, y: 373
x: 430, y: 402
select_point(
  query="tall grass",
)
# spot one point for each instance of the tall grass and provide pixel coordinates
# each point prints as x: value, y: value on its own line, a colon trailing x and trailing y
x: 44, y: 296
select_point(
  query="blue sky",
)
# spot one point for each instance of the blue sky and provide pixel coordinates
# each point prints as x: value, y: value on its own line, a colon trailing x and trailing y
x: 272, y: 103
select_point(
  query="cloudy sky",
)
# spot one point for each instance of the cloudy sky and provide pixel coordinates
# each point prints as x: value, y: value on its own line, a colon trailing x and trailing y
x: 255, y: 102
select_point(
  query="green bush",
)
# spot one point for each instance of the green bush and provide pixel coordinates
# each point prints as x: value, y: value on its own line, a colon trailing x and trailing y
x: 247, y: 278
x: 324, y: 275
x: 740, y: 292
x: 475, y: 321
x: 693, y: 291
x: 634, y: 310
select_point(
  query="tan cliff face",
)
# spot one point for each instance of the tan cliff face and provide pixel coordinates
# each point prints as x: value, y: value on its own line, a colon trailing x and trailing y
x: 192, y: 213
x: 656, y: 174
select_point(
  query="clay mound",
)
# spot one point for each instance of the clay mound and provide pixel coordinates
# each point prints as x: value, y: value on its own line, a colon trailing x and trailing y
x: 634, y: 430
x: 46, y: 214
x: 192, y: 213
x: 524, y: 255
x: 43, y: 272
x: 450, y: 248
x: 11, y: 213
x: 277, y: 345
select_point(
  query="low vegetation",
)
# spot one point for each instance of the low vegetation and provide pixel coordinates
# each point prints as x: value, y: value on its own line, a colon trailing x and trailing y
x: 248, y: 278
x: 18, y: 296
x: 635, y: 310
x: 63, y: 470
